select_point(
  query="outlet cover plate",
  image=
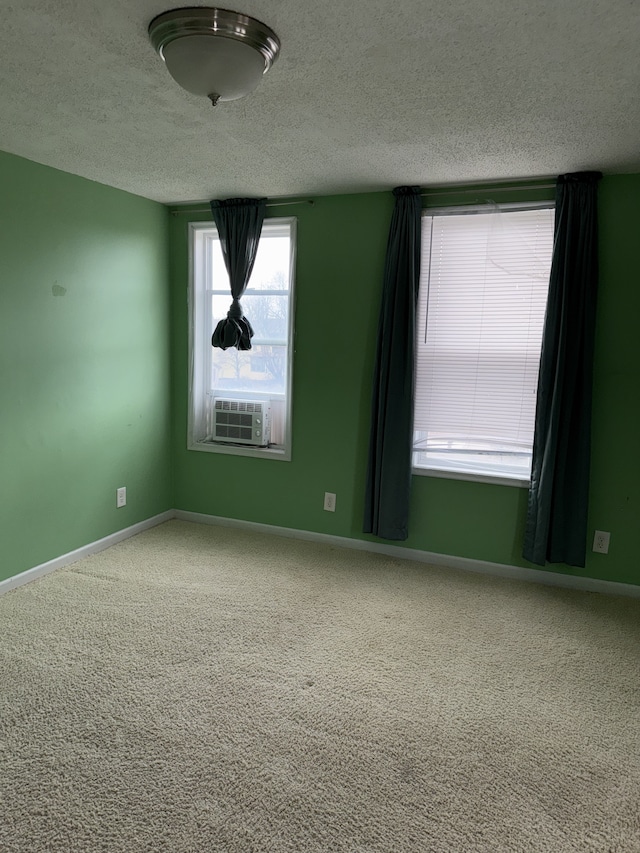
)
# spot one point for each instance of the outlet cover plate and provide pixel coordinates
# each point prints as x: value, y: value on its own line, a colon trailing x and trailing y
x: 330, y: 501
x: 601, y: 542
x: 121, y: 496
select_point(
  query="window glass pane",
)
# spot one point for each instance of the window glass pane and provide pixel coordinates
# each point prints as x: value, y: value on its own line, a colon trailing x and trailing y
x: 262, y: 369
x: 268, y: 315
x: 476, y: 457
x: 271, y: 268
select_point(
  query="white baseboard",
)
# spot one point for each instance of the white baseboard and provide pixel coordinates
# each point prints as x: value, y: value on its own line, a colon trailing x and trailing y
x: 548, y: 578
x: 85, y: 551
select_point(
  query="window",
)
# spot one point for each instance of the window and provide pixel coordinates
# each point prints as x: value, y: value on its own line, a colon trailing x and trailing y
x: 241, y: 379
x: 482, y: 299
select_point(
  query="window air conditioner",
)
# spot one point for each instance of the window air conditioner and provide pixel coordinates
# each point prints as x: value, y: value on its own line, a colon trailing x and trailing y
x: 241, y: 422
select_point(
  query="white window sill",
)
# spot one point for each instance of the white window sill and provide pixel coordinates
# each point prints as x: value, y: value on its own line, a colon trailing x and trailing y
x: 283, y: 454
x: 495, y: 479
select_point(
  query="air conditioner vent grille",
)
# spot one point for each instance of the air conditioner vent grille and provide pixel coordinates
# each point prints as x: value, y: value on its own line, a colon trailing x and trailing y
x: 238, y: 406
x: 237, y: 432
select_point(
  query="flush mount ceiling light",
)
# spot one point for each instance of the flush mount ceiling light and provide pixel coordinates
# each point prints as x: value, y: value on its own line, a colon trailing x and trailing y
x: 214, y: 52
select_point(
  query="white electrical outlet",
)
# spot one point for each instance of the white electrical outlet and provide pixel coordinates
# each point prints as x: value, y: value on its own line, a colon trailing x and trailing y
x: 330, y: 501
x: 121, y: 496
x: 601, y: 542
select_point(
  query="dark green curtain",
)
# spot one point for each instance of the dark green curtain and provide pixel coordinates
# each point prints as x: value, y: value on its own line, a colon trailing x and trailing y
x: 239, y: 223
x: 391, y: 438
x: 556, y: 530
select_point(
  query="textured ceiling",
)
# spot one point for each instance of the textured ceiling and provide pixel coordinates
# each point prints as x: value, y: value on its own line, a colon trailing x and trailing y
x: 364, y: 96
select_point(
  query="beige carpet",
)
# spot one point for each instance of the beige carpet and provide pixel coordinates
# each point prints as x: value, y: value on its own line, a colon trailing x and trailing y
x: 203, y: 689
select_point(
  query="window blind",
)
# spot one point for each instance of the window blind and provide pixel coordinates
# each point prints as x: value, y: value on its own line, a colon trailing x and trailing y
x: 482, y: 299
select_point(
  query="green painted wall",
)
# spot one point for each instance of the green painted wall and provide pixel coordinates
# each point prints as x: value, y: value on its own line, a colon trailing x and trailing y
x: 341, y: 245
x: 84, y: 362
x: 85, y: 401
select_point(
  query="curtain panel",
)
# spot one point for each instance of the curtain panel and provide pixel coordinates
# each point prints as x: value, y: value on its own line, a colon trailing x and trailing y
x: 556, y: 528
x: 239, y: 223
x: 391, y: 437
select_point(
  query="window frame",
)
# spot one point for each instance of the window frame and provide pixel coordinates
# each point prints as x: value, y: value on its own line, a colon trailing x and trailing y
x: 471, y: 209
x: 200, y: 337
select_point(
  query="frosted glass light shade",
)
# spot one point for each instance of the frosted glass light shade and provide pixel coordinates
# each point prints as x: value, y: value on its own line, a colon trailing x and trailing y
x: 216, y: 53
x: 214, y: 66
